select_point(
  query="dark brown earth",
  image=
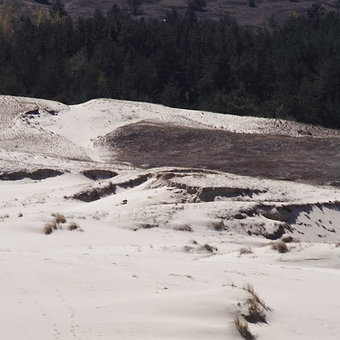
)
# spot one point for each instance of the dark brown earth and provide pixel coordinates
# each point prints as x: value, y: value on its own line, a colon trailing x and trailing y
x: 215, y: 9
x: 306, y: 159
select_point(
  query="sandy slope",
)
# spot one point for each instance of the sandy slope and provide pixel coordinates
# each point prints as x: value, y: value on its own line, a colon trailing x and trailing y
x: 138, y: 268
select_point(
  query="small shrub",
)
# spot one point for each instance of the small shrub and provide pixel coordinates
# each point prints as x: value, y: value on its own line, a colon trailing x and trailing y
x: 242, y: 327
x: 280, y: 246
x: 47, y: 229
x: 73, y: 226
x: 245, y: 251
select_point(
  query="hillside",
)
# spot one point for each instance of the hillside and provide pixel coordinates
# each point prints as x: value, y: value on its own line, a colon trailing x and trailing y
x: 121, y: 220
x: 289, y: 71
x: 215, y: 9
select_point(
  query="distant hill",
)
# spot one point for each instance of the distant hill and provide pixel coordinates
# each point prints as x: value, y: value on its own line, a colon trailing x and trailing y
x: 262, y: 11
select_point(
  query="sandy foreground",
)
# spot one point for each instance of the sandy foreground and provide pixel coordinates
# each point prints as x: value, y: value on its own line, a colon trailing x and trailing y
x: 156, y: 253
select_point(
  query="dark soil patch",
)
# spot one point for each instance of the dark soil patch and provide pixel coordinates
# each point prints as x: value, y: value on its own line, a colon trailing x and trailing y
x: 35, y: 175
x: 307, y: 159
x: 97, y: 174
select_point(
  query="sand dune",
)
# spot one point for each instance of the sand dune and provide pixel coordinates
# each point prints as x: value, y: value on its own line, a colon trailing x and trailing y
x: 162, y: 250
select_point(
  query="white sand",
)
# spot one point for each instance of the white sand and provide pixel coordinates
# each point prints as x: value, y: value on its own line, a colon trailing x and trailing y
x: 111, y: 282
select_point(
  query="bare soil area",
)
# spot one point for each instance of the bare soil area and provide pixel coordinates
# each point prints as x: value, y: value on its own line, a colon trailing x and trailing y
x: 305, y: 159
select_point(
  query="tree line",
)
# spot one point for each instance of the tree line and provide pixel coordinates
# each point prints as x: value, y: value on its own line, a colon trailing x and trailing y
x: 289, y: 71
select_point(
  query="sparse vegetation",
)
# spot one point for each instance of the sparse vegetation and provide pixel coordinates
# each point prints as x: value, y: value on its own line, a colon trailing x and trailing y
x: 256, y: 312
x: 218, y: 226
x: 59, y: 218
x: 184, y: 228
x: 207, y: 247
x: 188, y: 249
x: 73, y: 226
x: 287, y: 239
x: 246, y: 251
x: 242, y: 327
x: 280, y: 246
x: 53, y: 225
x: 57, y: 223
x: 290, y: 239
x: 250, y: 289
x: 199, y: 248
x: 47, y: 229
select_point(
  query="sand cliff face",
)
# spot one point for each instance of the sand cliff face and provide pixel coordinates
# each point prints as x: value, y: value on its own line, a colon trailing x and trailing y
x: 155, y: 219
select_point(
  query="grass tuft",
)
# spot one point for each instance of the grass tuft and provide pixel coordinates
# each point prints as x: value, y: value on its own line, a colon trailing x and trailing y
x: 184, y: 228
x: 250, y: 289
x: 47, y: 229
x: 209, y: 248
x: 73, y: 226
x: 280, y: 246
x: 245, y: 251
x: 242, y: 327
x: 59, y: 218
x: 256, y: 312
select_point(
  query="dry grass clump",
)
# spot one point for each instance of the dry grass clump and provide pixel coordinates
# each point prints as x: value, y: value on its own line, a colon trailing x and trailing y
x: 287, y: 239
x: 250, y: 289
x: 53, y: 224
x: 73, y: 226
x: 246, y: 251
x: 290, y: 239
x: 59, y: 218
x: 56, y: 224
x: 196, y: 247
x: 209, y: 248
x: 242, y: 327
x: 218, y: 226
x: 280, y: 246
x: 47, y: 229
x: 256, y: 312
x: 188, y: 249
x: 184, y: 228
